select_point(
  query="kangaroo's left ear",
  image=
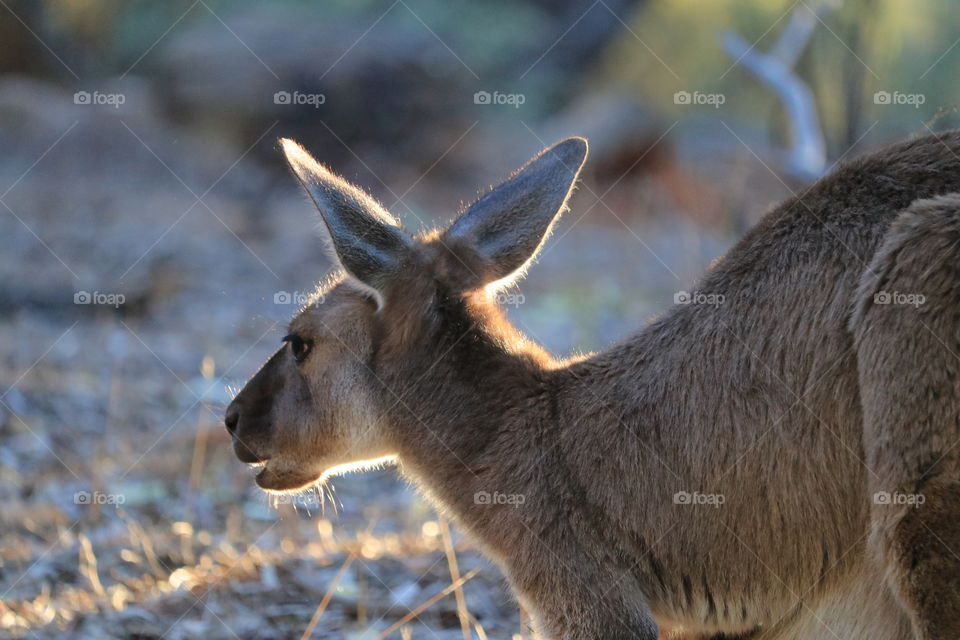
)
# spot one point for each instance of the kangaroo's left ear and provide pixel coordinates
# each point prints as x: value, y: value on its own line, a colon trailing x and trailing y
x: 503, y: 230
x: 365, y: 239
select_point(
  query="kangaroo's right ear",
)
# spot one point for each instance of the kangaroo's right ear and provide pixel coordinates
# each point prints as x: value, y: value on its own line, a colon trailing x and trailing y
x: 503, y: 230
x: 365, y: 239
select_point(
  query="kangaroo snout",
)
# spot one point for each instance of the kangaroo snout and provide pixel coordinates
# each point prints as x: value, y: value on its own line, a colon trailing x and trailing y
x: 231, y: 418
x: 250, y: 433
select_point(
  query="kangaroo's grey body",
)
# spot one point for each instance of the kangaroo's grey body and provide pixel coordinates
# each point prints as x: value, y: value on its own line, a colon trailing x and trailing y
x: 779, y: 458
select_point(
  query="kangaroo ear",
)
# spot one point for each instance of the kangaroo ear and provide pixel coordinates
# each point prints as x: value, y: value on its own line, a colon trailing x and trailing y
x: 365, y: 239
x: 506, y: 227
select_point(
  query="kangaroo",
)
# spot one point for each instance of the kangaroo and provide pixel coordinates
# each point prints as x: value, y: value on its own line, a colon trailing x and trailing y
x: 775, y: 459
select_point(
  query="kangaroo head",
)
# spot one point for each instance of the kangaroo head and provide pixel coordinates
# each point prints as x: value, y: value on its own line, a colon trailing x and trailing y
x: 367, y: 346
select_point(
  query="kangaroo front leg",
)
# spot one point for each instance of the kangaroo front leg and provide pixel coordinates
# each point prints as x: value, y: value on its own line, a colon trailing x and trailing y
x: 587, y: 610
x: 597, y: 621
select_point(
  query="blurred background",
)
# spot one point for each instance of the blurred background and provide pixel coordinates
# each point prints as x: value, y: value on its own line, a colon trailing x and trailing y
x: 154, y: 246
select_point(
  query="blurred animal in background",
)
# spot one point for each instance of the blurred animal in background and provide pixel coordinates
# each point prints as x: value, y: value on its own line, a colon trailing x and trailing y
x: 632, y: 158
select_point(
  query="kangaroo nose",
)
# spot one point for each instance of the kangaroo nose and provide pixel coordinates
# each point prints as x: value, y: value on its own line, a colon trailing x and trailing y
x: 232, y: 417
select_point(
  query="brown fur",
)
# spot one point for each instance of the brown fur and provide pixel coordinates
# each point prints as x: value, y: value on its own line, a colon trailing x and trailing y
x: 794, y: 401
x: 910, y: 372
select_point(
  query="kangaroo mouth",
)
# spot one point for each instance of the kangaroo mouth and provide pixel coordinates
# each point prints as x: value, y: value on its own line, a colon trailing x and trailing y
x: 281, y: 475
x: 275, y: 478
x: 246, y: 455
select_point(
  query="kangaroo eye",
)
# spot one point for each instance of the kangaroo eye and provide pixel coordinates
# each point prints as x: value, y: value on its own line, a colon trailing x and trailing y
x: 299, y: 347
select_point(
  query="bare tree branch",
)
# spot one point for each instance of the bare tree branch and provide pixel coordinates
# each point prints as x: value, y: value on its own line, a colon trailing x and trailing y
x: 807, y: 156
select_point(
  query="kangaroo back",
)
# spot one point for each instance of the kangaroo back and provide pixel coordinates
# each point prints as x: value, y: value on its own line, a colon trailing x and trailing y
x: 907, y: 331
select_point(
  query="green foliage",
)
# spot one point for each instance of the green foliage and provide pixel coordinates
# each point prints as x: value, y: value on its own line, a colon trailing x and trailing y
x: 488, y: 34
x: 859, y: 48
